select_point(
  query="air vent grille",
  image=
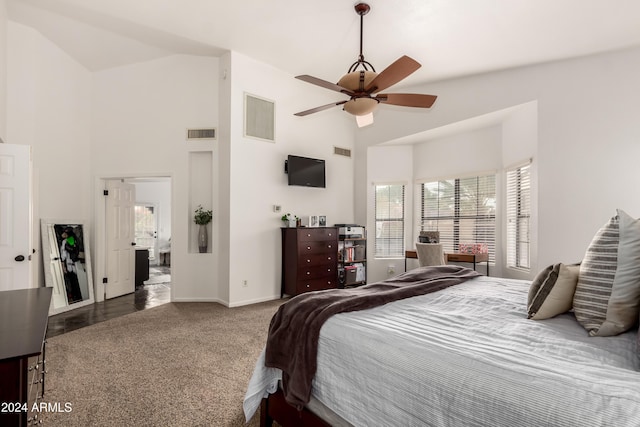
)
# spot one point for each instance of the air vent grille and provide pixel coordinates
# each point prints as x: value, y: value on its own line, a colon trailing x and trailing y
x: 342, y: 151
x: 209, y: 133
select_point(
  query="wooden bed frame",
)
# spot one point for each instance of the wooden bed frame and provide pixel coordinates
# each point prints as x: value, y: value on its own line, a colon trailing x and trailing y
x: 275, y: 408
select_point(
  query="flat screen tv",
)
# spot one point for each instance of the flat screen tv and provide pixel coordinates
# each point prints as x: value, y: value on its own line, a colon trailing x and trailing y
x: 305, y: 171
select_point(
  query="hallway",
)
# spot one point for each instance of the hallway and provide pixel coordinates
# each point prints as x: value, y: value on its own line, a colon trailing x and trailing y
x: 154, y: 292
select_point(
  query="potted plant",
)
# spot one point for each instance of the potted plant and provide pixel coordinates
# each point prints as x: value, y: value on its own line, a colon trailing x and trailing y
x: 289, y: 220
x: 202, y: 218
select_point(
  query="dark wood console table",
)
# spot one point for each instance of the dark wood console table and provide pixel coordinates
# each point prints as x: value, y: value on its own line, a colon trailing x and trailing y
x: 24, y: 315
x: 453, y: 257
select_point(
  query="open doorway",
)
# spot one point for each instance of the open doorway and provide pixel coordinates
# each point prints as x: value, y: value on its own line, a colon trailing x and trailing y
x: 152, y: 223
x: 125, y: 262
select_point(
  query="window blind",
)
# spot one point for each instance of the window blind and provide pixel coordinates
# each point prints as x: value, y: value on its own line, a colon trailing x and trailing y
x: 463, y: 210
x: 518, y: 217
x: 389, y: 213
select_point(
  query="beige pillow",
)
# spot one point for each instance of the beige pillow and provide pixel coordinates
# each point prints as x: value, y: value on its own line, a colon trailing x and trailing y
x: 552, y: 290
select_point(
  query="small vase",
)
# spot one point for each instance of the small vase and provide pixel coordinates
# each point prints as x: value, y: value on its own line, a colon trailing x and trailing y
x: 203, y: 238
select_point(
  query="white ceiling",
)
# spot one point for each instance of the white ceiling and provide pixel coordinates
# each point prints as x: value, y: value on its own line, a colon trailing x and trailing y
x: 449, y: 38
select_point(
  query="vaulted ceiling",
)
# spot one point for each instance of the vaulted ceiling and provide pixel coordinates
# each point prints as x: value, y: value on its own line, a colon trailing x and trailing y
x: 449, y: 38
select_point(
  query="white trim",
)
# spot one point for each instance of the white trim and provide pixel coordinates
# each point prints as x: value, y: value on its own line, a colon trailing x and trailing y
x: 375, y: 183
x: 468, y: 175
x: 518, y: 165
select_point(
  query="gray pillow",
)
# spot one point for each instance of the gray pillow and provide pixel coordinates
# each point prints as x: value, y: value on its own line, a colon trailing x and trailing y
x: 607, y: 296
x: 551, y: 292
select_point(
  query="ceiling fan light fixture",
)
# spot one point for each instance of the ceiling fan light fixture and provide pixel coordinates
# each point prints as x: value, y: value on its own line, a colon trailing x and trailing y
x: 360, y: 106
x: 365, y: 120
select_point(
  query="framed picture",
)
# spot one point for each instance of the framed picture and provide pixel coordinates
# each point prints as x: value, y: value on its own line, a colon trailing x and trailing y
x: 313, y: 221
x: 322, y: 221
x: 67, y: 264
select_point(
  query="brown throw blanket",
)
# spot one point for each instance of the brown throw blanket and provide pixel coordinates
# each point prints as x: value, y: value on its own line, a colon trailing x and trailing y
x: 292, y: 343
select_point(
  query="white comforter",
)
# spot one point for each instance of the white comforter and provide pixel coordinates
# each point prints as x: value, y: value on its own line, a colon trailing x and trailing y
x: 468, y: 356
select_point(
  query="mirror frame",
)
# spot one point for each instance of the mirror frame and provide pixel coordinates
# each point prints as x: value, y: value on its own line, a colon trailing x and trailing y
x: 52, y: 264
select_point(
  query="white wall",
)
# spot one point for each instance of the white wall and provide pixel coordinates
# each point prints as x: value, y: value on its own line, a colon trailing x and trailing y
x: 257, y: 180
x: 141, y: 114
x: 587, y: 138
x: 49, y: 108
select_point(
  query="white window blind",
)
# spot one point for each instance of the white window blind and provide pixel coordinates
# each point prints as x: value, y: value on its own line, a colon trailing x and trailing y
x: 518, y: 217
x: 463, y: 210
x: 389, y: 213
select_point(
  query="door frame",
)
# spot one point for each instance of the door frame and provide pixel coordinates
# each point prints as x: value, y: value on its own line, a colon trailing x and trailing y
x: 100, y: 240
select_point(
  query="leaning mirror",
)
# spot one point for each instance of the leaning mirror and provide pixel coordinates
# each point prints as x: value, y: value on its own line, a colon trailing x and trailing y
x: 67, y: 265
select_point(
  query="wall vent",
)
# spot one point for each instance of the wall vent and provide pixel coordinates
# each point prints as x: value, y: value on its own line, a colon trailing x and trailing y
x: 259, y: 118
x: 342, y: 151
x: 208, y: 133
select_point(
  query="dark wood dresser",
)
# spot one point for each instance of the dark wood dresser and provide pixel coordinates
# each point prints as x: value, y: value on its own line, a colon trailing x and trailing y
x: 309, y: 259
x: 24, y: 315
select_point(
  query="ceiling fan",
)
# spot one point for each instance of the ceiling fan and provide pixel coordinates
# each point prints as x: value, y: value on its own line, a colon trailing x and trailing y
x: 363, y: 85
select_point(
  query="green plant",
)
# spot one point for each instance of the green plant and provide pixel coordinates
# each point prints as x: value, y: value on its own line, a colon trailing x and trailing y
x: 289, y: 217
x: 203, y: 216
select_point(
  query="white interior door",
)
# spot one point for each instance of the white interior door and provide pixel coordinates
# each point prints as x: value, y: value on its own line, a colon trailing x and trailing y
x: 15, y: 217
x: 120, y: 238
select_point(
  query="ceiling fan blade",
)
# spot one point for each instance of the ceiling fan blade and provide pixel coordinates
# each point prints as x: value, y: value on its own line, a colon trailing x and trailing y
x: 323, y: 83
x: 391, y: 75
x: 321, y: 108
x: 407, y: 99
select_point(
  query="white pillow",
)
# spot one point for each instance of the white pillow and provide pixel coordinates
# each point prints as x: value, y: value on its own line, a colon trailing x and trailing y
x: 551, y: 292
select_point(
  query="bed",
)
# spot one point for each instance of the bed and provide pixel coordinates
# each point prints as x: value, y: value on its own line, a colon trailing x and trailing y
x: 466, y: 355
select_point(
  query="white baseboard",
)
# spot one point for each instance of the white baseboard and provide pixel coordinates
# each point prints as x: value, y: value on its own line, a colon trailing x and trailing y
x: 253, y: 301
x: 226, y: 303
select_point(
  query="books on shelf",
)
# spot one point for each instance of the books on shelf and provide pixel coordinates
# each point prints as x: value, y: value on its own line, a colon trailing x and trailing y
x: 353, y: 253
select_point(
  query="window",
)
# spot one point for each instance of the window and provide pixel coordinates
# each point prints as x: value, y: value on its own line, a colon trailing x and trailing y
x: 518, y: 217
x: 389, y: 212
x: 463, y: 210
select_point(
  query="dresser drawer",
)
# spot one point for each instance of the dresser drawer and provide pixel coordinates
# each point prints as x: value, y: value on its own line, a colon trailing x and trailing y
x: 317, y: 234
x: 312, y: 259
x: 317, y: 247
x: 316, y: 285
x: 327, y: 270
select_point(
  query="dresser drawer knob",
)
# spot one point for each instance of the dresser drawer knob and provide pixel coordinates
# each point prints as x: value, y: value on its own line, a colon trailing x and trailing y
x: 308, y: 234
x: 329, y: 246
x: 308, y: 260
x: 308, y: 273
x: 308, y: 286
x: 308, y: 248
x: 329, y: 258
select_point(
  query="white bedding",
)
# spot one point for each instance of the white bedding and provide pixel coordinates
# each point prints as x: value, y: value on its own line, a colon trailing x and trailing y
x: 468, y: 356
